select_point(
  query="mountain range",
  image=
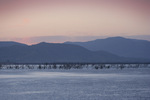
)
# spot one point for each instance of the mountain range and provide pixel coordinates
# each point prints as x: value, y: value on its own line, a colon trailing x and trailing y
x: 10, y: 43
x: 120, y: 46
x: 109, y: 50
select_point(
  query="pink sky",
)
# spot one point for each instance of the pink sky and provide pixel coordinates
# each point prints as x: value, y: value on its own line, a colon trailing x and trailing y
x: 32, y: 18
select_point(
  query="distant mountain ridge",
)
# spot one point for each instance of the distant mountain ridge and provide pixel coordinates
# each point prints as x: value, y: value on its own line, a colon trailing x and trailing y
x: 10, y: 43
x: 119, y: 46
x: 49, y: 52
x: 70, y: 52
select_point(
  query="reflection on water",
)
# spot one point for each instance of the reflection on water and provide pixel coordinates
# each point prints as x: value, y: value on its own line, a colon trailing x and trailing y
x: 30, y: 92
x: 55, y: 75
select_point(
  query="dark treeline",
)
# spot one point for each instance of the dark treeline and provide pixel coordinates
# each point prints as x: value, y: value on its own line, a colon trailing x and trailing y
x: 71, y: 66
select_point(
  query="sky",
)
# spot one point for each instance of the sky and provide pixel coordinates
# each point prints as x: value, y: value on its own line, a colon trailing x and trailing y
x: 21, y: 20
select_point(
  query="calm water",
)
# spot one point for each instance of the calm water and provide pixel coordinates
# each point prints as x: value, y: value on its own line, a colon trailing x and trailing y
x: 79, y: 84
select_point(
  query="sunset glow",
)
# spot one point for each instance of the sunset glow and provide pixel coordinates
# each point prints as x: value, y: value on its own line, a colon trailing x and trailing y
x: 31, y: 18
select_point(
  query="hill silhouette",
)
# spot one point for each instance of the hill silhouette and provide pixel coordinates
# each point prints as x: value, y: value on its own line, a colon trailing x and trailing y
x: 119, y: 46
x: 53, y: 52
x: 10, y: 43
